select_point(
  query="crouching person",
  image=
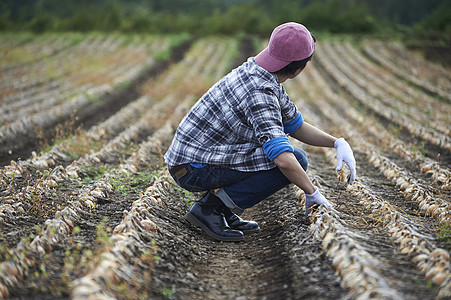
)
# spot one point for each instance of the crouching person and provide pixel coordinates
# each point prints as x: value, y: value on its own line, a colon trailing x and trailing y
x: 234, y: 144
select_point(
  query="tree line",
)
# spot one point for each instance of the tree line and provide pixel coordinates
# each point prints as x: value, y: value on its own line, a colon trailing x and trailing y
x: 224, y: 16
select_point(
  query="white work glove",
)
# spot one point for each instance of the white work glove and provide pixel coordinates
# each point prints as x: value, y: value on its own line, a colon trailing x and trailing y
x: 315, y: 199
x: 345, y: 154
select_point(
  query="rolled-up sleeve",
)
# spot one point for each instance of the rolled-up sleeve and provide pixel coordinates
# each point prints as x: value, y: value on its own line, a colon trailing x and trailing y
x: 294, y: 124
x: 276, y: 146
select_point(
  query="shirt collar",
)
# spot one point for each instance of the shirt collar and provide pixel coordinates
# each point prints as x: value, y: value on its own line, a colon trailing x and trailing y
x: 262, y: 72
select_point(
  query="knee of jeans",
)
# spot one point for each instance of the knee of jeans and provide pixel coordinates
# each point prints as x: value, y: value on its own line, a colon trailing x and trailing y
x: 301, y: 156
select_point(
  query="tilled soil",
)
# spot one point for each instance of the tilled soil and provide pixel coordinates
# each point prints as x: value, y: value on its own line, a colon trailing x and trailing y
x: 286, y: 259
x: 89, y: 116
x: 54, y: 284
x: 400, y: 271
x: 281, y: 261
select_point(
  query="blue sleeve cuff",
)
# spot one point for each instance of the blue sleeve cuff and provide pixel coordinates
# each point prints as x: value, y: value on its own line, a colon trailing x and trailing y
x: 277, y: 146
x: 294, y: 124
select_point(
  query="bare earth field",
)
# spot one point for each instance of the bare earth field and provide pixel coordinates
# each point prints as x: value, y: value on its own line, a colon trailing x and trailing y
x: 88, y: 209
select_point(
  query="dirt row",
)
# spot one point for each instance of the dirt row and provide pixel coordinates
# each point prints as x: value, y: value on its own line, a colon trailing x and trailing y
x: 85, y: 117
x: 131, y: 241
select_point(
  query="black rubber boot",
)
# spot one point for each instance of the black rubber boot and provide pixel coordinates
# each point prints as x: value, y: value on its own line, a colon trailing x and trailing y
x: 235, y: 222
x: 204, y: 214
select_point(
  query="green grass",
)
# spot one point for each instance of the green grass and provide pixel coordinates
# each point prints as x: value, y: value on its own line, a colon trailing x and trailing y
x: 420, y: 148
x: 133, y: 184
x: 92, y: 173
x: 445, y: 235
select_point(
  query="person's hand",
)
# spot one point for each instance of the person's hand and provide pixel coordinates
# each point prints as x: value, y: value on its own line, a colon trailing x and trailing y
x: 315, y: 199
x: 345, y: 154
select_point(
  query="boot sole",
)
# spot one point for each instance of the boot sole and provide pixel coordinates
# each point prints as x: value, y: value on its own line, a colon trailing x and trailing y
x: 196, y: 222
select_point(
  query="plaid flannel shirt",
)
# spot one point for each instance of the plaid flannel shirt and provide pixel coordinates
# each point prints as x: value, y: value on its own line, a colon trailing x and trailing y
x: 230, y: 123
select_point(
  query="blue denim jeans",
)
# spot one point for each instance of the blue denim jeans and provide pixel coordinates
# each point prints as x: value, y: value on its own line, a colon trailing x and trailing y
x: 238, y: 190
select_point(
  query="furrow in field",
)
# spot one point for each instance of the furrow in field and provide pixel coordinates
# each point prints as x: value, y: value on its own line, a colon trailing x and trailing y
x: 378, y: 52
x: 391, y: 97
x: 84, y: 105
x: 402, y: 91
x: 408, y: 232
x: 79, y: 69
x: 118, y: 147
x: 439, y: 175
x: 132, y: 237
x: 86, y: 202
x: 192, y: 65
x: 353, y: 243
x: 99, y: 134
x: 397, y: 218
x: 42, y: 101
x: 426, y: 134
x: 121, y: 62
x: 383, y: 100
x: 433, y: 72
x: 17, y: 54
x: 194, y: 264
x: 190, y: 77
x: 15, y: 135
x: 120, y: 120
x: 431, y: 201
x: 27, y: 77
x: 368, y: 267
x: 37, y: 77
x: 109, y: 152
x: 279, y: 261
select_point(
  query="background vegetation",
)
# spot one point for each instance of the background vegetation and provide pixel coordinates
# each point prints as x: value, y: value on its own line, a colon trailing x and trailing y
x: 225, y: 16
